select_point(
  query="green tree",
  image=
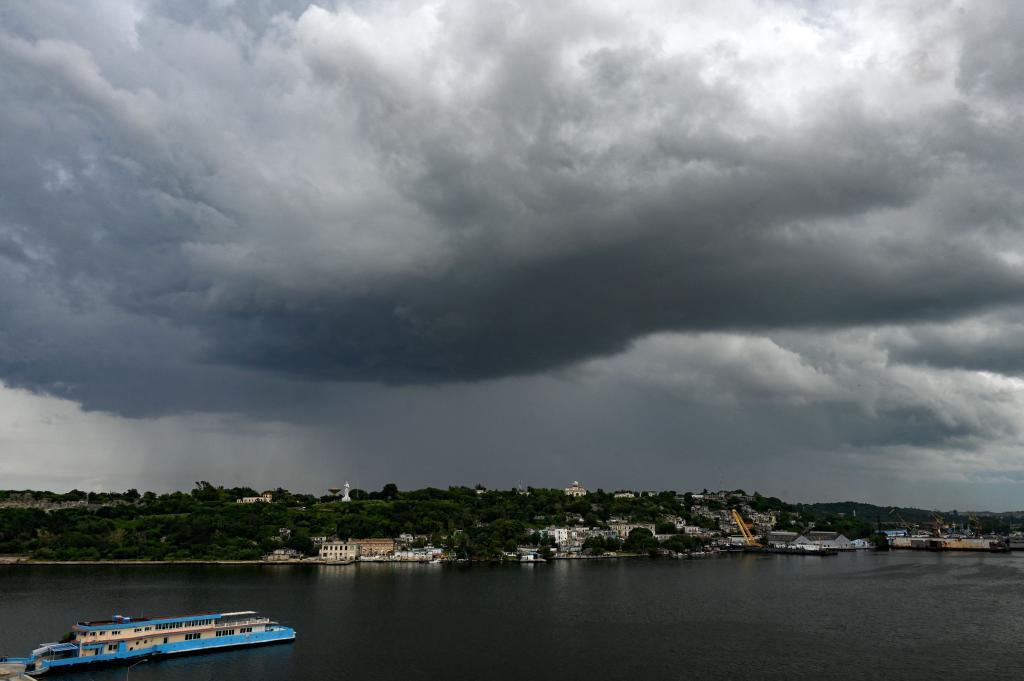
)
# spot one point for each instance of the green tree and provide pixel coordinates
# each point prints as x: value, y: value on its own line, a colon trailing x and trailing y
x: 640, y: 540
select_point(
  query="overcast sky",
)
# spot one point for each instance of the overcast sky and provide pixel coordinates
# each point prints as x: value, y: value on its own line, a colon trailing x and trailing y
x: 769, y: 245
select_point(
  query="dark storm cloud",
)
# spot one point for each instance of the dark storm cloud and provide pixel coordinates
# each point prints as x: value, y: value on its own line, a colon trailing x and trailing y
x: 407, y: 194
x: 985, y: 343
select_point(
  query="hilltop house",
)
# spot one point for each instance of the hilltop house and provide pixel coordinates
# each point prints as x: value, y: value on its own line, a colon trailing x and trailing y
x: 576, y: 489
x: 264, y: 498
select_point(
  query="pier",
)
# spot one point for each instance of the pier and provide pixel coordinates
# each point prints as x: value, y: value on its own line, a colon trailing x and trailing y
x: 11, y: 671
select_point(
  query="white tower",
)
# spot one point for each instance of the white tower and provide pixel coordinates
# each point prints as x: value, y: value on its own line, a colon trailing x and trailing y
x: 346, y: 497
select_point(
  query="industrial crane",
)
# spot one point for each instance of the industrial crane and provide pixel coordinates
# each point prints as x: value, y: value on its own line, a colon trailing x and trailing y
x: 893, y: 511
x: 748, y: 538
x: 938, y: 523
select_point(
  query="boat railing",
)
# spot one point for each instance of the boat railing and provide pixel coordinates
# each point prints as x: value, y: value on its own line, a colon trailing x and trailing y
x: 241, y: 623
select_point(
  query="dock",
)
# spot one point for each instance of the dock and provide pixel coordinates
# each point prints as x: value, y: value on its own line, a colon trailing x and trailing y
x: 13, y: 672
x: 794, y: 551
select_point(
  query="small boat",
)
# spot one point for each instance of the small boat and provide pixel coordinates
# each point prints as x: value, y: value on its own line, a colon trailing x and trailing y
x: 126, y: 640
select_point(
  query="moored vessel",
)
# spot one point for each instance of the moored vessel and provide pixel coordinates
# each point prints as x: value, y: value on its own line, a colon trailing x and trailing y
x: 949, y: 543
x: 126, y: 640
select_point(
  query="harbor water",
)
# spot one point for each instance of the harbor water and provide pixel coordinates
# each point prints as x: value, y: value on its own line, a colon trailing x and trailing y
x: 896, y: 615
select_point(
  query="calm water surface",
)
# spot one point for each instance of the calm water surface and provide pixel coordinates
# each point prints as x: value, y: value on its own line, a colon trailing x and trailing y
x: 899, y: 615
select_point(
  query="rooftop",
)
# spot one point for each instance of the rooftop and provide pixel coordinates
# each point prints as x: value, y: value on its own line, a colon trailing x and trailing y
x: 129, y: 621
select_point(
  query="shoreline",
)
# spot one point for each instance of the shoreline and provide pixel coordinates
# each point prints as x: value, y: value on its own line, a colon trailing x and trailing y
x: 25, y: 560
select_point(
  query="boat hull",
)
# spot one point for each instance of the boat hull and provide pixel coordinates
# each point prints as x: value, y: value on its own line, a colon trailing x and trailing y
x: 157, y: 652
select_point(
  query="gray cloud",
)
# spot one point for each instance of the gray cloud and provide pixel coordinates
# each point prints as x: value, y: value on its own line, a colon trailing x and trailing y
x: 215, y: 208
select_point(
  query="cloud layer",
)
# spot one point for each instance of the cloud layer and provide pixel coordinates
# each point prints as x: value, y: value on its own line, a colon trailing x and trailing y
x: 765, y: 210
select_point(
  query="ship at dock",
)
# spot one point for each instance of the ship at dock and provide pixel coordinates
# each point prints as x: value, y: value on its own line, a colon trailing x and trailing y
x: 949, y: 543
x: 944, y: 536
x: 125, y: 640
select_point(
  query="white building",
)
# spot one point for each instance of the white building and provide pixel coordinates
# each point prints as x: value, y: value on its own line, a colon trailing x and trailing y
x: 264, y: 498
x: 423, y: 555
x: 782, y: 537
x: 829, y: 540
x: 624, y: 495
x: 576, y: 489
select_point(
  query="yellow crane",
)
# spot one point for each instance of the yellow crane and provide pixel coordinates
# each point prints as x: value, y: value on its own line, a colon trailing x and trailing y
x: 748, y: 537
x: 938, y: 524
x: 893, y: 511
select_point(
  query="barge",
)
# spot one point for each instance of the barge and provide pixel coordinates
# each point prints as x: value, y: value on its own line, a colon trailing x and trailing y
x: 125, y: 640
x: 985, y: 544
x: 801, y: 550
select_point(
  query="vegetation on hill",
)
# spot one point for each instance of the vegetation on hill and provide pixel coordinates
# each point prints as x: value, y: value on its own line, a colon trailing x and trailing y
x: 208, y: 524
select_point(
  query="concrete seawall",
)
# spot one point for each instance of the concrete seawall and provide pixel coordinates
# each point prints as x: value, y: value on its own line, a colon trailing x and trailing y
x: 13, y: 672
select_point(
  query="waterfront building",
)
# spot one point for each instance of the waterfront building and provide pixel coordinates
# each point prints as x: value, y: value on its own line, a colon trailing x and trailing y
x: 423, y: 555
x: 776, y: 537
x: 374, y: 549
x: 339, y: 551
x: 829, y: 540
x: 576, y: 489
x: 281, y: 555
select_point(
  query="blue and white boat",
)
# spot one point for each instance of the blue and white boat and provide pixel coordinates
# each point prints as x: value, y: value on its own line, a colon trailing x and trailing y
x: 126, y: 640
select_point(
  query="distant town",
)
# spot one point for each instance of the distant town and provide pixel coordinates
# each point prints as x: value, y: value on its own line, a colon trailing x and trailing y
x: 523, y: 524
